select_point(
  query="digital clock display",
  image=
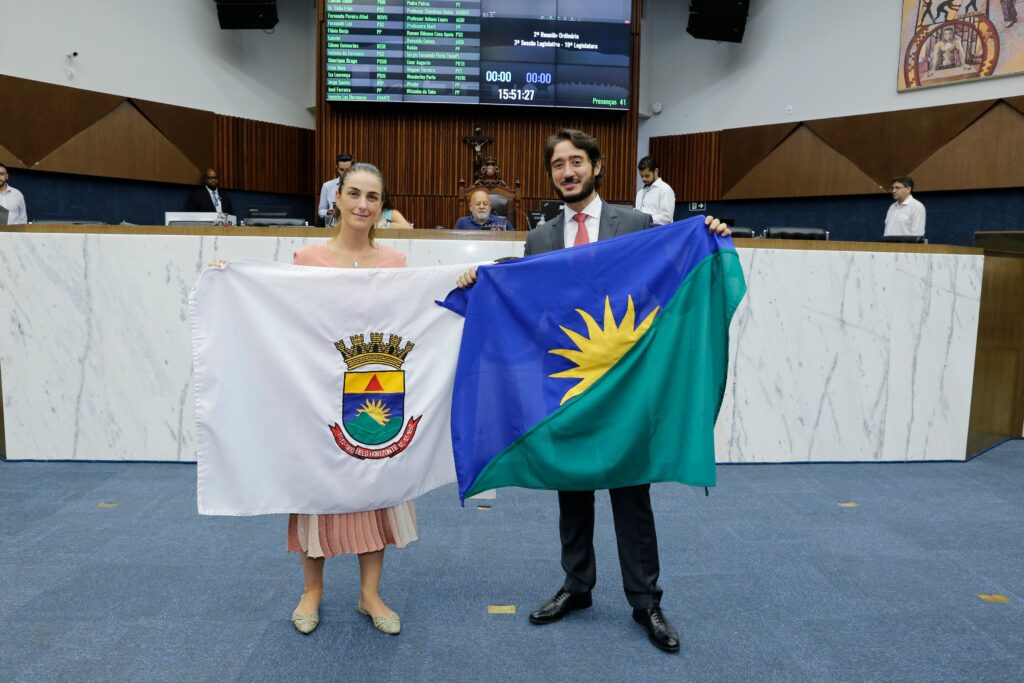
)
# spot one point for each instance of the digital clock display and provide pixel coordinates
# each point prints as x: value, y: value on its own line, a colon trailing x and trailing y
x: 513, y: 94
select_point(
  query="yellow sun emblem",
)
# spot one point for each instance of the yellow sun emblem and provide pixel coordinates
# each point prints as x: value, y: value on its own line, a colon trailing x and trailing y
x: 602, y: 348
x: 377, y: 410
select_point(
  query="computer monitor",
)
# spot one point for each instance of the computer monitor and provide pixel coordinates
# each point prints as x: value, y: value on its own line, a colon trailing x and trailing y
x: 269, y: 211
x: 534, y: 218
x: 198, y: 218
x: 550, y: 208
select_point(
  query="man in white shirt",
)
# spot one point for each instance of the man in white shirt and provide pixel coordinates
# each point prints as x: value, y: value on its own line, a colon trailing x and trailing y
x: 655, y: 198
x: 906, y: 215
x: 329, y: 189
x: 12, y: 200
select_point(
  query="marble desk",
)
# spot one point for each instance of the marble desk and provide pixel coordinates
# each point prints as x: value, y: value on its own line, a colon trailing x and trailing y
x: 840, y: 351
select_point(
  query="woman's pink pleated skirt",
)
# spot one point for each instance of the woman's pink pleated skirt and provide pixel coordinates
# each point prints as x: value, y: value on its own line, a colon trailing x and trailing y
x: 355, y: 532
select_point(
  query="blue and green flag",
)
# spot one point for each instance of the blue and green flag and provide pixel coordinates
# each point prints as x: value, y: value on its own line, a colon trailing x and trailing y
x: 596, y: 367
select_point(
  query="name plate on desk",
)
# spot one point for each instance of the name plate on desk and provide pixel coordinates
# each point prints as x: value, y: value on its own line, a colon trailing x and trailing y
x: 198, y: 218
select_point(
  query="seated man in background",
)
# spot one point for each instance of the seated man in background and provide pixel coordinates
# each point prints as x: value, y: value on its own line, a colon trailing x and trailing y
x: 209, y: 198
x: 481, y: 217
x: 12, y: 200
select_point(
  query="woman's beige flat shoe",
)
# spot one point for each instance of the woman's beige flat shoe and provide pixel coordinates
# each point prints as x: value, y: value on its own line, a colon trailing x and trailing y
x: 305, y: 623
x: 391, y: 624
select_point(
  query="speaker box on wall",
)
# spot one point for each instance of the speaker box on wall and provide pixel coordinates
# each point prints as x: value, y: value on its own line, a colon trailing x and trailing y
x: 243, y: 14
x: 723, y: 20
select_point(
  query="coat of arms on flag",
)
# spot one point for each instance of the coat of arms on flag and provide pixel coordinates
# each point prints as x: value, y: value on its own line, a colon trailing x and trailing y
x: 339, y: 399
x: 373, y: 400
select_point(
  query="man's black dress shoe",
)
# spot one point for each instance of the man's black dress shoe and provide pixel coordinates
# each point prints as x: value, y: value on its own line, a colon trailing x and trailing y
x: 560, y: 605
x: 661, y: 632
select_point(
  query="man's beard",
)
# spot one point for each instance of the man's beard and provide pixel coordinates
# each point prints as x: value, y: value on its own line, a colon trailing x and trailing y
x: 481, y: 216
x: 585, y: 191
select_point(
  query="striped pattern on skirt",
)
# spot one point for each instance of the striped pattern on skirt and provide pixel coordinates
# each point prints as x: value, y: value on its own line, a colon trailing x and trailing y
x: 354, y: 532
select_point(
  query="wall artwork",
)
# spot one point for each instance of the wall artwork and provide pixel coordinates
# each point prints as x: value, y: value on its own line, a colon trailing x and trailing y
x: 949, y: 41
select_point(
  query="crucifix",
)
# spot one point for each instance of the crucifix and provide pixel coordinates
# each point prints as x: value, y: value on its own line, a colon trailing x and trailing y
x: 477, y: 142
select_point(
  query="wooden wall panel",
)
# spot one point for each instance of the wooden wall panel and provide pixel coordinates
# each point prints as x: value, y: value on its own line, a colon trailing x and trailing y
x: 1016, y: 102
x: 419, y: 148
x: 965, y: 146
x: 227, y: 158
x: 8, y: 159
x: 56, y: 128
x: 690, y: 164
x: 421, y: 153
x: 264, y: 157
x: 123, y: 144
x: 879, y: 143
x: 743, y: 148
x: 987, y: 154
x: 997, y: 401
x: 28, y: 126
x: 802, y: 166
x: 191, y: 130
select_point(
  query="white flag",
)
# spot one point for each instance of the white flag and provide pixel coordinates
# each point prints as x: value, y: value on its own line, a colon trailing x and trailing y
x: 321, y: 390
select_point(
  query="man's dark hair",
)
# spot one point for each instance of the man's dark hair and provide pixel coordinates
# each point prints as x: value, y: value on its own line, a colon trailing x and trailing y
x: 647, y: 164
x: 578, y: 139
x: 4, y: 166
x: 904, y: 180
x: 343, y: 157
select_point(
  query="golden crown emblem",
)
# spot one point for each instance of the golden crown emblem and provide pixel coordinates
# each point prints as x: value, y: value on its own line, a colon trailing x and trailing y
x: 376, y: 352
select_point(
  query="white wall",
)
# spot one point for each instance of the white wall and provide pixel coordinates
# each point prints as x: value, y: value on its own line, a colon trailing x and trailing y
x: 172, y: 52
x: 824, y: 58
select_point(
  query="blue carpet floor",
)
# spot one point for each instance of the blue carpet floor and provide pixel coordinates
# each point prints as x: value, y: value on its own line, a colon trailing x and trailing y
x: 769, y: 578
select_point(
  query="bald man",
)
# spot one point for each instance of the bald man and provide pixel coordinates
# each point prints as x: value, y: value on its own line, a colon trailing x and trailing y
x: 481, y: 215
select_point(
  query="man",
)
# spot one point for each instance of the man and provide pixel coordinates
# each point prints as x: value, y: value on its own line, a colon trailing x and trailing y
x: 12, y: 200
x: 481, y: 216
x: 209, y: 197
x: 574, y: 164
x: 655, y: 197
x: 906, y: 215
x: 947, y: 53
x: 330, y: 189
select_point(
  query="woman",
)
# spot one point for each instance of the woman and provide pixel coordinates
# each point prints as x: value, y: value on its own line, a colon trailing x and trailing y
x: 357, y: 210
x: 390, y: 217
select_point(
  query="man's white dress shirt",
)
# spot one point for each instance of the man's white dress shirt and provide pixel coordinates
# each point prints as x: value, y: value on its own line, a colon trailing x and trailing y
x: 658, y: 200
x: 906, y: 218
x: 593, y: 222
x: 12, y: 200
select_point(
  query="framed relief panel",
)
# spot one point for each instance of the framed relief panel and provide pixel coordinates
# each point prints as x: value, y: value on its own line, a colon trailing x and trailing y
x: 949, y: 41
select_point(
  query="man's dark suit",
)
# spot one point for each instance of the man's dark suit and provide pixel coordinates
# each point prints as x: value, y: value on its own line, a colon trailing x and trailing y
x: 631, y: 506
x: 200, y: 200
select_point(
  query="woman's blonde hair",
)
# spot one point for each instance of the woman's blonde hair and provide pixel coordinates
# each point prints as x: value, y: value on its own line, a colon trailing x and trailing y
x: 364, y: 167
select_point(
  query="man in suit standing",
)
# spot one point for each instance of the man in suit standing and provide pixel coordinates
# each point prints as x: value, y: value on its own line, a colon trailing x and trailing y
x: 574, y: 163
x: 209, y: 197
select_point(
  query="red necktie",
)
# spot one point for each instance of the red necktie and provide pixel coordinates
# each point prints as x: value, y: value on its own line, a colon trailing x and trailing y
x: 581, y: 232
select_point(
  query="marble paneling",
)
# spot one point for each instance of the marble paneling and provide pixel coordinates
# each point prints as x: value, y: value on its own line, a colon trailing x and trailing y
x: 95, y: 350
x: 851, y: 356
x: 848, y: 356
